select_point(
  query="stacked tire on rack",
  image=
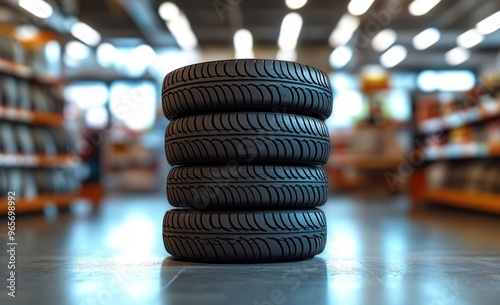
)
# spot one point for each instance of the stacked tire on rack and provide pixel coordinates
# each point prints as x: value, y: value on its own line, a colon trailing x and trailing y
x: 247, y: 140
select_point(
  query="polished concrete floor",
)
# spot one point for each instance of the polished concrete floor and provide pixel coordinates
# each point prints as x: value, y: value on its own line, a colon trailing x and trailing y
x: 376, y: 254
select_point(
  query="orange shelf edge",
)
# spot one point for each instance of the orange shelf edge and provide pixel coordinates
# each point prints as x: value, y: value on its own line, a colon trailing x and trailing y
x: 484, y: 202
x: 37, y: 204
x: 26, y: 72
x: 59, y: 160
x: 32, y: 117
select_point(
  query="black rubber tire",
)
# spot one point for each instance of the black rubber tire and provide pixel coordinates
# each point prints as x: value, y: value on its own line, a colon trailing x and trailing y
x: 247, y: 138
x: 244, y: 236
x: 247, y: 187
x: 247, y: 85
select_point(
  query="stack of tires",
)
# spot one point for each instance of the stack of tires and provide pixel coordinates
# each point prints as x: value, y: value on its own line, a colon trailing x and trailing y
x: 247, y: 140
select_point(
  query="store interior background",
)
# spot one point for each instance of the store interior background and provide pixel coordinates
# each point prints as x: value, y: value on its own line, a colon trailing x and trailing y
x: 415, y: 125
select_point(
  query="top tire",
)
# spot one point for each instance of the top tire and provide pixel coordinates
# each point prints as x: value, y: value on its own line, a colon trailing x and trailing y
x: 247, y: 85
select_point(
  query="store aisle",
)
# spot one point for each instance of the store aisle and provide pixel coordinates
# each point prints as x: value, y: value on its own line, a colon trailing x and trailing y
x: 376, y: 254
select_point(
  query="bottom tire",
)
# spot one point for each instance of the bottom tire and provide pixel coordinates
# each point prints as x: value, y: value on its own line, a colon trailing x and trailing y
x: 244, y: 236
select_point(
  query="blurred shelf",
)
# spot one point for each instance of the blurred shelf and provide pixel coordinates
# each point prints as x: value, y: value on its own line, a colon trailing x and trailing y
x: 26, y: 72
x: 31, y: 117
x: 463, y: 199
x: 38, y: 203
x: 368, y: 162
x: 15, y: 69
x: 25, y: 160
x: 474, y: 115
x: 462, y: 151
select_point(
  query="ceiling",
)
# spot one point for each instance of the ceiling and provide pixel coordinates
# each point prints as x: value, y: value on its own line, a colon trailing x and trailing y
x: 215, y: 21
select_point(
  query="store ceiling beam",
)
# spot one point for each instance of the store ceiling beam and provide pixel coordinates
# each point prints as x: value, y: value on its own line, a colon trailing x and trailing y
x: 146, y: 19
x: 465, y: 11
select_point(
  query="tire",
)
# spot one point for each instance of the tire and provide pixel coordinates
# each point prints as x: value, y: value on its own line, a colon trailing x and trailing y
x: 247, y: 186
x: 247, y: 138
x: 247, y: 85
x: 244, y: 236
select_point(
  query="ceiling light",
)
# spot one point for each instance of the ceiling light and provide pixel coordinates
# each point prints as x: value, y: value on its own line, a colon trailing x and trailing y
x: 295, y: 4
x: 77, y: 50
x: 426, y: 39
x: 106, y: 54
x: 290, y: 31
x: 393, y: 56
x: 489, y: 25
x: 456, y: 56
x: 359, y: 7
x: 383, y: 40
x: 344, y: 30
x: 182, y: 32
x: 168, y: 11
x: 422, y: 7
x: 340, y: 57
x: 469, y: 39
x: 39, y: 8
x: 85, y: 33
x: 243, y: 44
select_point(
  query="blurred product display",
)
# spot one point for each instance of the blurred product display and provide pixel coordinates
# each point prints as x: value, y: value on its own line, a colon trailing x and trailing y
x: 463, y: 129
x: 38, y: 155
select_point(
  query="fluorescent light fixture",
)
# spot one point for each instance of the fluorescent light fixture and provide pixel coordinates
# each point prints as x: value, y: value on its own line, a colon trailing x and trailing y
x: 289, y: 32
x: 446, y: 81
x: 426, y: 38
x: 96, y: 117
x: 393, y: 56
x: 469, y: 39
x: 344, y: 30
x: 85, y: 33
x: 106, y: 54
x: 359, y: 7
x: 428, y: 81
x: 340, y: 57
x: 139, y: 59
x: 295, y: 4
x: 384, y: 39
x: 144, y: 54
x: 77, y: 50
x: 286, y: 55
x: 456, y: 56
x: 39, y: 8
x: 422, y: 7
x: 243, y: 44
x: 168, y: 11
x: 182, y: 32
x: 489, y: 25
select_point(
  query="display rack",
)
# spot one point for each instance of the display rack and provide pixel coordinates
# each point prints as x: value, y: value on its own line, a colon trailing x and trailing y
x: 33, y: 118
x: 38, y: 160
x: 421, y: 191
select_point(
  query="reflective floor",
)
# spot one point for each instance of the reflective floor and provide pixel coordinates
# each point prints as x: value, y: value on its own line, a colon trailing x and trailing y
x: 376, y: 254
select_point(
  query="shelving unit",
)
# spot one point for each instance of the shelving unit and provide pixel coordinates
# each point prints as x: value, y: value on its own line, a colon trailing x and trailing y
x: 468, y: 200
x: 488, y: 109
x: 463, y: 151
x: 471, y: 116
x: 26, y: 162
x: 31, y: 117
